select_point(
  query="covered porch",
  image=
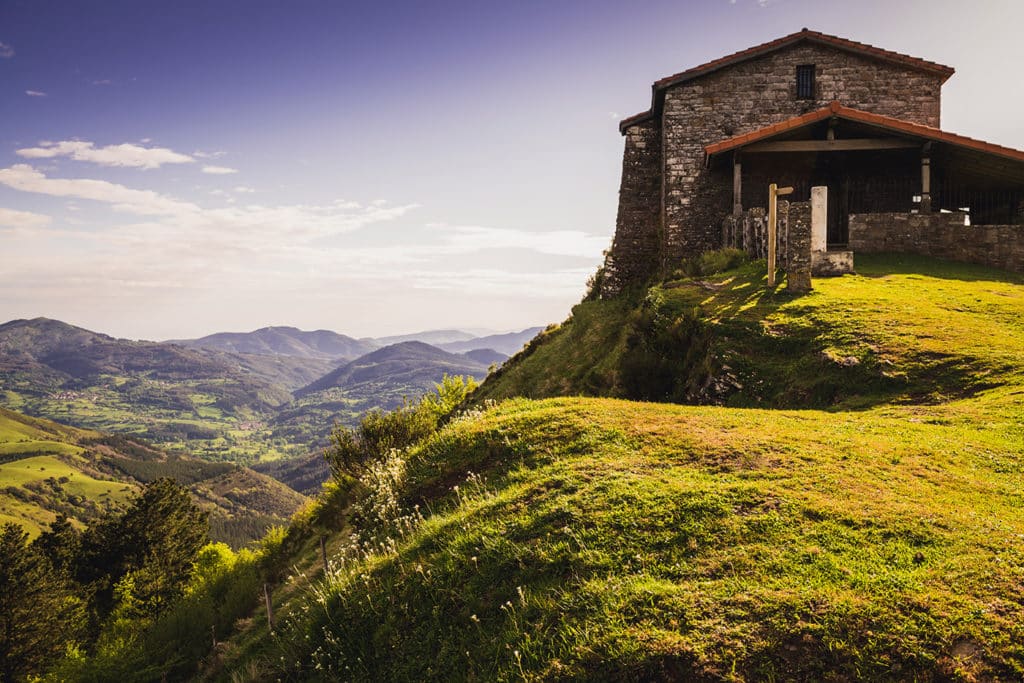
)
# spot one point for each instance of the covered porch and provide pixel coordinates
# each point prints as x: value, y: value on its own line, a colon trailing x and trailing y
x: 873, y: 164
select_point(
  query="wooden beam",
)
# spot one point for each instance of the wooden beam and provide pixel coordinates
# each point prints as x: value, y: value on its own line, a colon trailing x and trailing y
x: 850, y: 145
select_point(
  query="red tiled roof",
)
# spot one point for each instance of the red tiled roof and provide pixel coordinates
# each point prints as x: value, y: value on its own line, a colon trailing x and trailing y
x: 803, y: 35
x: 814, y: 37
x: 889, y: 123
x: 635, y: 118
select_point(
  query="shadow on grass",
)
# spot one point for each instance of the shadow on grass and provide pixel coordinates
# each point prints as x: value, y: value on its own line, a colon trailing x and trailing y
x: 884, y: 264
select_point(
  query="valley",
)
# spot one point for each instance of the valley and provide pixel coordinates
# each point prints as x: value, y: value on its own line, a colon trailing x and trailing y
x: 231, y: 397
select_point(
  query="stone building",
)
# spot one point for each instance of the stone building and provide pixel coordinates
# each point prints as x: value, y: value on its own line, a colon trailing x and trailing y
x: 811, y: 110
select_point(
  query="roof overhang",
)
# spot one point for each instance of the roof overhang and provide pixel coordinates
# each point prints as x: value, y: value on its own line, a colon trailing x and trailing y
x: 814, y: 37
x: 791, y: 136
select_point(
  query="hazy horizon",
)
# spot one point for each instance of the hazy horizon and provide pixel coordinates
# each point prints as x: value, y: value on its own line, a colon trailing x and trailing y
x: 174, y: 170
x: 467, y: 329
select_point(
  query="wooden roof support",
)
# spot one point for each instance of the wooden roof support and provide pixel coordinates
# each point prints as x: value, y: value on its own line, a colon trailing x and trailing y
x: 849, y: 145
x: 737, y: 185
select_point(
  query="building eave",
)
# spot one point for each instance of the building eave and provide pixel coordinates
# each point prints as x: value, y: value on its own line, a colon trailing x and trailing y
x: 888, y: 123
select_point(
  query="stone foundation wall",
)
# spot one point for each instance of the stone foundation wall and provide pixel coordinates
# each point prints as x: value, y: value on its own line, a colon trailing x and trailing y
x: 636, y: 249
x: 942, y: 235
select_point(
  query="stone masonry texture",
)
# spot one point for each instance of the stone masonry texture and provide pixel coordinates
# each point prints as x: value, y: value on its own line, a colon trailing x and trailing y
x: 941, y: 235
x: 634, y: 255
x: 798, y: 253
x: 672, y: 207
x: 754, y: 94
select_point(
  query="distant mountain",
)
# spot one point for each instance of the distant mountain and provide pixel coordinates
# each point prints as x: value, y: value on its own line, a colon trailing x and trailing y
x: 432, y: 337
x: 381, y: 379
x: 62, y: 351
x: 486, y: 356
x: 49, y: 468
x: 410, y: 364
x: 508, y: 344
x: 189, y: 400
x: 284, y: 341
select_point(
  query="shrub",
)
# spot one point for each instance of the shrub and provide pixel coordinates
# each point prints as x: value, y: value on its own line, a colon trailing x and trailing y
x: 666, y: 359
x: 379, y: 433
x: 712, y: 262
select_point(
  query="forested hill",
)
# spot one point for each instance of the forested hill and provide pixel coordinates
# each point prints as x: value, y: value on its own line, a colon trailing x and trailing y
x: 50, y: 470
x: 411, y: 363
x: 284, y: 341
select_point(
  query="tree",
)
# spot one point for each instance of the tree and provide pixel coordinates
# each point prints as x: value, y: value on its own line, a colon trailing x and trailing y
x: 39, y: 615
x: 61, y: 545
x: 156, y: 540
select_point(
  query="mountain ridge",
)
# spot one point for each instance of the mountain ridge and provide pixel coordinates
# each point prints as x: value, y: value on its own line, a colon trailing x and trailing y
x: 395, y: 358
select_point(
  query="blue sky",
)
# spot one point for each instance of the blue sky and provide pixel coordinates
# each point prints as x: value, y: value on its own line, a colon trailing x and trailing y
x: 171, y: 169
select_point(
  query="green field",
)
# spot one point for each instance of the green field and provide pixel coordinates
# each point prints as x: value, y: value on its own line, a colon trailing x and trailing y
x: 863, y: 523
x: 47, y: 468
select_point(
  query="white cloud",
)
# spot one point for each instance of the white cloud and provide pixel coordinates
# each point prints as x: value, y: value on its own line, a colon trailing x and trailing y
x: 35, y: 93
x: 103, y: 81
x: 469, y: 238
x: 127, y: 154
x: 6, y: 51
x: 242, y: 189
x: 255, y: 251
x: 244, y: 227
x: 10, y: 218
x: 145, y: 202
x: 199, y: 154
x: 219, y: 170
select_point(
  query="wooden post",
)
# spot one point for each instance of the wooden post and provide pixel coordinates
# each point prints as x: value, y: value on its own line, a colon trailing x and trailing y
x: 270, y: 607
x: 774, y: 192
x: 323, y: 552
x: 737, y: 185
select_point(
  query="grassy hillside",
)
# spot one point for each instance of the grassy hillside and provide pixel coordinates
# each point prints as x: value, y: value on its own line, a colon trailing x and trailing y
x: 903, y: 329
x: 47, y: 468
x: 869, y: 530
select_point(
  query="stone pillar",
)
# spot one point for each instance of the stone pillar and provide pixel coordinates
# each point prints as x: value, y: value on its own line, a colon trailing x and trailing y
x: 782, y: 241
x: 819, y: 219
x: 798, y: 258
x: 926, y: 185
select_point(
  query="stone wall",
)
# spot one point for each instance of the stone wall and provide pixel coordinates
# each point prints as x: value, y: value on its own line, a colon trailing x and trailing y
x: 754, y: 94
x: 797, y: 261
x: 749, y: 232
x: 942, y: 235
x: 636, y: 249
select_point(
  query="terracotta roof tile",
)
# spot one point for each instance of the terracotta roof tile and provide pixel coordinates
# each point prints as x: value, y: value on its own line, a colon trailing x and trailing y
x: 889, y: 123
x: 812, y: 36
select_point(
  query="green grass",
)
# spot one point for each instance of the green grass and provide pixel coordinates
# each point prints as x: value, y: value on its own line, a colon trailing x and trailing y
x: 903, y: 329
x: 832, y: 520
x: 638, y: 540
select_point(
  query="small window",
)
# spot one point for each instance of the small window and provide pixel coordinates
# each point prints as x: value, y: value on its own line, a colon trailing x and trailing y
x: 805, y: 82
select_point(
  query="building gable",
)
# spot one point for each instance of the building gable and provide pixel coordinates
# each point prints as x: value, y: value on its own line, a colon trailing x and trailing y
x: 805, y: 37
